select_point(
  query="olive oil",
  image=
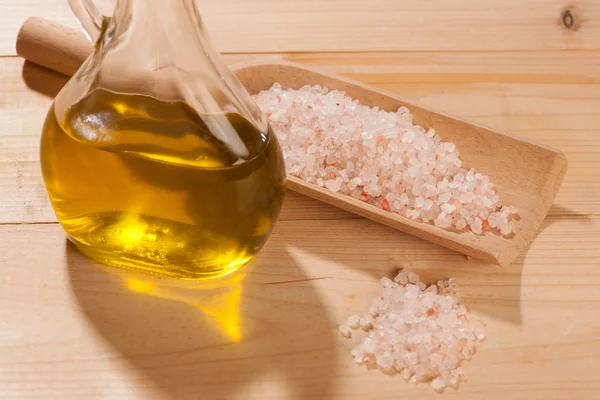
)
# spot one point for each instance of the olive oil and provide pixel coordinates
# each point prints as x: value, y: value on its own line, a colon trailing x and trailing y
x: 145, y: 184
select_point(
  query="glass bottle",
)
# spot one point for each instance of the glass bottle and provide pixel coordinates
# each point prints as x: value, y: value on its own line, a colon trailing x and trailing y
x: 154, y: 156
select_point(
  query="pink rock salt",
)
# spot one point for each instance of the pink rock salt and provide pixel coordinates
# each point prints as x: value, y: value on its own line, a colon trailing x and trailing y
x: 420, y: 331
x: 381, y: 158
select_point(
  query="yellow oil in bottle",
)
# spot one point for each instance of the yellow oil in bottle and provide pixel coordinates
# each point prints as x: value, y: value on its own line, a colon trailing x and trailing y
x: 143, y: 184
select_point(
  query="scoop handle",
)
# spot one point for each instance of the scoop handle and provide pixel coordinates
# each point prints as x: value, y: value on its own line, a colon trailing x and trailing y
x: 53, y: 46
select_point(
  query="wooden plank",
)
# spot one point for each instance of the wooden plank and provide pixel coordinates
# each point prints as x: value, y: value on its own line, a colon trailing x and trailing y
x: 71, y: 329
x: 357, y: 25
x: 561, y: 115
x: 453, y: 67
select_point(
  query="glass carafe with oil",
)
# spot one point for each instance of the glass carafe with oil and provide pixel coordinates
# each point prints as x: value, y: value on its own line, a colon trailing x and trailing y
x: 154, y: 156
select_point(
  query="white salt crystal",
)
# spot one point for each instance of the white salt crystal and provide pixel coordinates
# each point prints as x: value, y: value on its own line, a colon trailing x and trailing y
x: 419, y: 202
x: 448, y: 208
x: 443, y: 220
x: 404, y: 199
x: 386, y: 282
x: 366, y: 322
x: 449, y: 147
x: 438, y: 385
x: 353, y: 322
x: 344, y: 330
x: 385, y: 361
x: 408, y: 137
x: 412, y: 277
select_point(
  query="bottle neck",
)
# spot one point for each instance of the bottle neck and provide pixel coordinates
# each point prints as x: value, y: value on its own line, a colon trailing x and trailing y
x: 160, y: 24
x: 159, y: 48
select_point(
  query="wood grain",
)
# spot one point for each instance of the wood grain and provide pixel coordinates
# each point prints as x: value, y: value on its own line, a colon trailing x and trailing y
x: 358, y: 25
x: 71, y: 329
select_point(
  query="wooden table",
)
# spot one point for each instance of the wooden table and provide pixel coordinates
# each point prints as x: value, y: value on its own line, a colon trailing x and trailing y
x: 70, y: 329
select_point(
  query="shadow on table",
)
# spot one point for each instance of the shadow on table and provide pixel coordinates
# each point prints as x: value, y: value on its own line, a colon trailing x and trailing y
x: 43, y: 80
x: 244, y: 336
x: 379, y: 251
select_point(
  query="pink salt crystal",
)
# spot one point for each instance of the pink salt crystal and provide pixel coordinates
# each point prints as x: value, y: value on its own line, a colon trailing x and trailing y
x: 445, y: 197
x: 405, y: 374
x: 332, y: 185
x: 427, y: 205
x: 438, y: 385
x: 412, y: 277
x: 401, y: 278
x: 410, y: 336
x: 370, y: 154
x: 453, y: 382
x: 477, y: 225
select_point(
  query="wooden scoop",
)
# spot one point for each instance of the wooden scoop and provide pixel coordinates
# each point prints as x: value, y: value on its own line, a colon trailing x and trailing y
x: 526, y: 175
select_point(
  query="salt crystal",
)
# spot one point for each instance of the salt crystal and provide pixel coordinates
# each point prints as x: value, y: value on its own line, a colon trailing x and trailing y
x: 438, y: 385
x: 423, y: 334
x: 344, y: 330
x: 412, y: 277
x: 366, y: 322
x: 408, y: 137
x: 332, y: 185
x: 353, y: 321
x: 480, y: 335
x: 449, y: 147
x: 445, y: 197
x: 333, y: 141
x: 404, y: 199
x: 448, y: 208
x: 461, y: 224
x: 477, y: 225
x: 443, y: 220
x: 401, y: 278
x: 386, y: 282
x: 385, y: 361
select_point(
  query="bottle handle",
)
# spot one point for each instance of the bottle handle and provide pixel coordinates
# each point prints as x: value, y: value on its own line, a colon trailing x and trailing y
x: 90, y: 18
